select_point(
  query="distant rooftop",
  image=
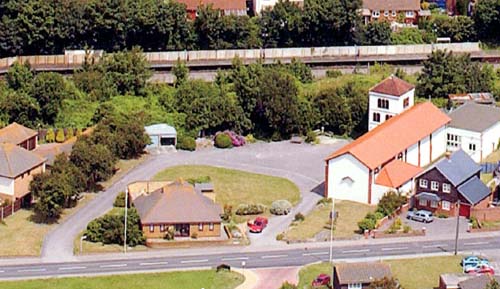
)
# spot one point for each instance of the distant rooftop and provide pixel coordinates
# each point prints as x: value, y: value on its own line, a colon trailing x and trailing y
x: 16, y: 133
x: 475, y: 117
x: 159, y: 129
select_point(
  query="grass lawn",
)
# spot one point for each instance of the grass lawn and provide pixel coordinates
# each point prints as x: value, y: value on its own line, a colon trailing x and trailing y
x: 123, y: 166
x: 208, y: 279
x: 485, y: 178
x: 28, y: 236
x: 315, y: 222
x: 417, y: 273
x: 350, y: 213
x: 493, y: 157
x: 234, y: 187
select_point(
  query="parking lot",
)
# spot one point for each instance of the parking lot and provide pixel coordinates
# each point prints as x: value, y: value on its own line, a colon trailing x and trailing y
x: 439, y: 227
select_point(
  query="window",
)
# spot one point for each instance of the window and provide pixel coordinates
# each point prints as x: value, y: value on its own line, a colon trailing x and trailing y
x: 162, y: 228
x: 375, y: 13
x: 406, y: 102
x: 445, y: 205
x: 434, y: 204
x: 400, y: 156
x: 200, y: 227
x: 472, y: 147
x: 376, y: 117
x: 386, y: 13
x: 446, y: 188
x: 453, y: 140
x: 393, y: 13
x: 383, y: 103
x: 423, y: 183
x: 388, y: 116
x: 151, y: 228
x: 422, y: 202
x: 434, y: 186
x: 409, y: 14
x: 355, y: 286
x: 211, y: 226
x: 376, y: 170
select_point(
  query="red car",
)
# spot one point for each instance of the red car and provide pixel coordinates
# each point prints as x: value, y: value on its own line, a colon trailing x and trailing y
x: 480, y: 269
x: 321, y: 280
x: 257, y: 225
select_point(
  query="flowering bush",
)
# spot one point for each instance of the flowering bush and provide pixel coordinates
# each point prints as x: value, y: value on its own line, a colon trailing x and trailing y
x: 236, y: 140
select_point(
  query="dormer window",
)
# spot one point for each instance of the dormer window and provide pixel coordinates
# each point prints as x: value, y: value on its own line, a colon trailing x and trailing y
x: 375, y: 13
x: 409, y: 14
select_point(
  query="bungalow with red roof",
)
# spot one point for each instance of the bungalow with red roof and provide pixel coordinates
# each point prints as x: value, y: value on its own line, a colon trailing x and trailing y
x: 387, y: 157
x: 227, y: 7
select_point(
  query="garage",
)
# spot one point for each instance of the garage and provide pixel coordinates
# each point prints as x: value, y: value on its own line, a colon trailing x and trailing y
x: 161, y: 135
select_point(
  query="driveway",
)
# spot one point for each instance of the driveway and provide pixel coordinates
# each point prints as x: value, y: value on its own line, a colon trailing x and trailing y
x: 439, y: 227
x: 302, y: 164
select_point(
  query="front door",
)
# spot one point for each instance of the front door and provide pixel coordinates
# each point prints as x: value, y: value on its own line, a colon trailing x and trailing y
x: 464, y: 210
x: 182, y: 230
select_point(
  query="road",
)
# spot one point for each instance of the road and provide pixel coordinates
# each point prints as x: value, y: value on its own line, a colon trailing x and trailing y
x: 277, y: 258
x: 302, y: 164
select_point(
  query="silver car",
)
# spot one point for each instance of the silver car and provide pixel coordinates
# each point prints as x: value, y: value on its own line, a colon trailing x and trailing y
x: 421, y: 216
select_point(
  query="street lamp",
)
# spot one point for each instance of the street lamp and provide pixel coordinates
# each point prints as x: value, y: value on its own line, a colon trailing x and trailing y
x: 125, y: 229
x: 331, y: 229
x: 84, y: 237
x: 458, y: 227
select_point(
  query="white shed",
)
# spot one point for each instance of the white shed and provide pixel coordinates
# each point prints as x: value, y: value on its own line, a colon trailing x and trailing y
x: 161, y: 135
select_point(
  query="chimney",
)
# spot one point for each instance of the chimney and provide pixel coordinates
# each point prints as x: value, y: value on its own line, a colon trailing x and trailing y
x: 448, y: 155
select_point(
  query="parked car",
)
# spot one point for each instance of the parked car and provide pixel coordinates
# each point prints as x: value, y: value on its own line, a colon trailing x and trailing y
x: 480, y: 269
x: 421, y: 216
x: 321, y: 280
x: 257, y: 225
x: 471, y: 261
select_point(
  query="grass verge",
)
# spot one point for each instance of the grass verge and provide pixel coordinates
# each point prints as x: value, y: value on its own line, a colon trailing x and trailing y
x: 207, y: 279
x: 350, y: 213
x: 123, y: 167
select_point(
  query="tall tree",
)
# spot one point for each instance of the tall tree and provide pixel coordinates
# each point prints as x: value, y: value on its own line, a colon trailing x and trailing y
x: 49, y: 90
x: 377, y: 33
x: 487, y: 19
x: 281, y: 25
x: 19, y: 76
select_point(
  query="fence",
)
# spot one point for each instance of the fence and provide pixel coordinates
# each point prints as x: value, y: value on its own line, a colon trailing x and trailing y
x: 73, y: 59
x: 487, y: 168
x: 10, y: 209
x: 486, y: 214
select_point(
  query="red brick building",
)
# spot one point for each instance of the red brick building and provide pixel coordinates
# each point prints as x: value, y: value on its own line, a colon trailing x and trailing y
x: 227, y: 7
x: 403, y: 11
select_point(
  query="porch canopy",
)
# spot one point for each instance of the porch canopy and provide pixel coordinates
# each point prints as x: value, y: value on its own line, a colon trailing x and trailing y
x: 428, y: 197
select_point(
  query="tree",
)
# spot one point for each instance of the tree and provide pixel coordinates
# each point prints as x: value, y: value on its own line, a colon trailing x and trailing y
x: 334, y: 111
x: 389, y: 202
x: 60, y: 135
x: 109, y: 229
x: 49, y: 91
x: 377, y: 33
x: 281, y: 25
x: 50, y: 136
x: 51, y: 196
x: 487, y: 19
x: 458, y: 28
x: 385, y: 283
x: 22, y: 108
x: 181, y: 73
x: 69, y: 172
x: 408, y: 36
x: 19, y: 76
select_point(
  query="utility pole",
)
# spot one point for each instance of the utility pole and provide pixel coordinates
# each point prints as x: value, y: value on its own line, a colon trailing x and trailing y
x: 331, y: 237
x: 125, y: 229
x: 458, y: 227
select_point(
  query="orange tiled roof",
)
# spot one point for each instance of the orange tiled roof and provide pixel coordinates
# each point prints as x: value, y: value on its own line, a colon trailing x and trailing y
x: 395, y: 135
x: 396, y: 173
x: 16, y: 133
x: 393, y: 85
x: 217, y: 4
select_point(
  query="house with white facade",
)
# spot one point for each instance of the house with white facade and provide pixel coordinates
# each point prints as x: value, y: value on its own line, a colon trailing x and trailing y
x: 261, y: 5
x: 474, y: 128
x: 388, y: 157
x: 390, y: 97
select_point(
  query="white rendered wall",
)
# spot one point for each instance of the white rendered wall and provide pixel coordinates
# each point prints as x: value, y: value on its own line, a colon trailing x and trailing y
x: 347, y: 166
x: 438, y: 143
x: 6, y: 186
x: 412, y: 155
x: 467, y: 137
x: 491, y: 137
x: 395, y: 106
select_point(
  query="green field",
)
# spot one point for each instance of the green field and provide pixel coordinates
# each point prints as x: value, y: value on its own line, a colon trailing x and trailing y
x: 171, y: 280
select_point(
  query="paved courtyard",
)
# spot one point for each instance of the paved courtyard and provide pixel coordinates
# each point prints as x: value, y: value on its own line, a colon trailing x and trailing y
x: 439, y: 227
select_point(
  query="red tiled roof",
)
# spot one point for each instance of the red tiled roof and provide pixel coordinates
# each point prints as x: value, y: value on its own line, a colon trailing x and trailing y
x: 391, y: 5
x: 16, y: 133
x: 393, y: 85
x: 396, y: 173
x: 395, y: 135
x: 217, y: 4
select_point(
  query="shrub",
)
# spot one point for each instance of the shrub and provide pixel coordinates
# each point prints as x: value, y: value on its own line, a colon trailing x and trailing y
x: 287, y: 285
x: 442, y: 216
x: 79, y: 132
x: 70, y: 133
x: 281, y: 207
x: 311, y: 137
x: 120, y: 200
x: 406, y: 229
x: 50, y: 136
x: 170, y: 234
x: 60, y: 136
x: 199, y: 180
x: 5, y: 202
x: 223, y: 141
x: 194, y: 235
x: 378, y: 216
x: 228, y: 213
x: 474, y: 223
x: 250, y: 209
x: 280, y: 237
x: 186, y: 143
x: 299, y: 217
x: 390, y: 202
x: 333, y: 73
x: 250, y: 138
x: 324, y: 201
x: 366, y: 224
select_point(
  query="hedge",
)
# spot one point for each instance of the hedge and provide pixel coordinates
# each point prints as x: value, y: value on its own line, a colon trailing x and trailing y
x: 280, y: 207
x: 250, y: 209
x: 223, y: 141
x: 186, y: 143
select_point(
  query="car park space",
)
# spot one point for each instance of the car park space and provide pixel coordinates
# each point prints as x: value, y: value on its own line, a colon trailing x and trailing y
x: 439, y: 227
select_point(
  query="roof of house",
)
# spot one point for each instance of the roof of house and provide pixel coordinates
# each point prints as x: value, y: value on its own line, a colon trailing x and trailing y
x: 349, y: 273
x: 16, y: 133
x: 217, y: 4
x: 457, y: 167
x: 477, y: 282
x: 475, y: 117
x: 177, y: 202
x: 474, y: 190
x: 51, y: 150
x: 392, y: 85
x: 159, y: 129
x: 204, y: 187
x: 386, y: 5
x: 396, y: 173
x: 395, y: 135
x: 478, y: 97
x: 15, y: 160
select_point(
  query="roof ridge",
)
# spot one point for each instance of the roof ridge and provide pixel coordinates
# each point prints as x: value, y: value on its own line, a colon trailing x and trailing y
x: 9, y: 166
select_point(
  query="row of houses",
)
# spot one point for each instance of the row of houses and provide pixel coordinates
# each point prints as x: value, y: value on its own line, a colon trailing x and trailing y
x: 416, y: 149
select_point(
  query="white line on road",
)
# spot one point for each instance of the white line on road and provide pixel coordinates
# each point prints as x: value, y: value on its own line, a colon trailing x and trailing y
x: 274, y: 256
x: 356, y: 251
x: 113, y: 266
x: 476, y: 243
x: 394, y: 248
x: 72, y: 268
x: 194, y: 261
x: 2, y: 271
x: 315, y: 254
x: 32, y: 270
x: 153, y: 263
x: 435, y: 246
x: 235, y: 259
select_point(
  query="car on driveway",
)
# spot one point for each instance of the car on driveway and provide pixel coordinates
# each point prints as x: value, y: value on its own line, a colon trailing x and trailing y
x: 471, y: 261
x: 257, y: 225
x: 479, y: 269
x: 421, y: 216
x: 321, y: 280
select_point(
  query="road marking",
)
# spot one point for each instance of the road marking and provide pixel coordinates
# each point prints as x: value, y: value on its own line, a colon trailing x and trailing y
x: 113, y: 266
x: 234, y: 259
x: 315, y: 254
x: 72, y: 268
x: 2, y: 271
x: 356, y: 251
x: 476, y: 243
x: 32, y: 270
x: 153, y: 263
x: 274, y: 256
x: 194, y: 261
x: 435, y: 246
x: 394, y: 248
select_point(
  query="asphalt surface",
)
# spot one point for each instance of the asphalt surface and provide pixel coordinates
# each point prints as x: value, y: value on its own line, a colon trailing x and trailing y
x: 277, y: 258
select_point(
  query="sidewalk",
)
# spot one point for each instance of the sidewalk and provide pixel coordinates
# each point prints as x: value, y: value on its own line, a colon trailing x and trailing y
x: 268, y: 278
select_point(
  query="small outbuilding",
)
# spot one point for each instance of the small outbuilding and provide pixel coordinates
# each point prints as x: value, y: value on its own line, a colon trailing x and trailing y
x: 161, y: 135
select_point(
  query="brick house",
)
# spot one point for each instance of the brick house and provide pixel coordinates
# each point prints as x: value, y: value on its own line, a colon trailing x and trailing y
x: 454, y: 177
x: 178, y: 205
x: 19, y: 135
x: 227, y: 7
x: 359, y: 275
x: 392, y: 11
